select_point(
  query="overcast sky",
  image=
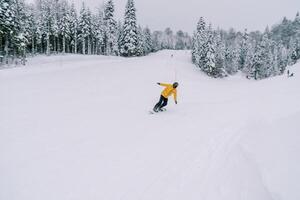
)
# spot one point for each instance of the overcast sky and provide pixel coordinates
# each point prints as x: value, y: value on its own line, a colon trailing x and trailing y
x: 184, y: 14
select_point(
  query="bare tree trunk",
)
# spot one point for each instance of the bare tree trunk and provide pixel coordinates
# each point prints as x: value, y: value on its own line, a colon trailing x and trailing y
x: 48, y: 44
x: 96, y: 47
x: 89, y: 46
x: 58, y: 44
x: 6, y: 50
x: 67, y: 46
x: 75, y: 46
x: 64, y: 44
x: 0, y: 43
x: 83, y: 45
x: 54, y: 45
x: 32, y: 47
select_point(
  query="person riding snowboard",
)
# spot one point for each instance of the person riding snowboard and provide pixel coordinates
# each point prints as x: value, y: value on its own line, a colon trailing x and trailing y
x: 168, y: 91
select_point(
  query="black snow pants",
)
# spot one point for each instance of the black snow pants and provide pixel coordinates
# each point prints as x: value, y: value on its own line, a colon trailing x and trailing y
x: 162, y: 103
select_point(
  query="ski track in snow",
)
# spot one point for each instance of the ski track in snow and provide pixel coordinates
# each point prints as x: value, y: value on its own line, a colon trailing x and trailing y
x: 77, y: 127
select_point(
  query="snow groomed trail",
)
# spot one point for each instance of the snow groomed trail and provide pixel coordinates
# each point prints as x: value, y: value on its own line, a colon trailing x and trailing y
x: 77, y: 127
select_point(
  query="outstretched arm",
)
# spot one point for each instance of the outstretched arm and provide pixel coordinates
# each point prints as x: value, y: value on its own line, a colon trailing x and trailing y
x: 175, y: 96
x: 163, y: 84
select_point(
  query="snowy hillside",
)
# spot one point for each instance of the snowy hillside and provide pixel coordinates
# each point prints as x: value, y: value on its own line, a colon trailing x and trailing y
x: 77, y: 127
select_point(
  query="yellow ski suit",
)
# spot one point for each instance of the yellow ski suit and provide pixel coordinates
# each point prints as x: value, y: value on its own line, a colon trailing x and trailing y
x: 168, y: 91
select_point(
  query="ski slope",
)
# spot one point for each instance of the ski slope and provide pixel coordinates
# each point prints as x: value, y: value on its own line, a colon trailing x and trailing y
x: 77, y: 127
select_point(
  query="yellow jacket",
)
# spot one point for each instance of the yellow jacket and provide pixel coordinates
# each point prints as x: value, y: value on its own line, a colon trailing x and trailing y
x: 168, y: 91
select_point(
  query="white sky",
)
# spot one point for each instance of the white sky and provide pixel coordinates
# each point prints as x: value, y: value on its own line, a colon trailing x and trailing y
x: 184, y: 14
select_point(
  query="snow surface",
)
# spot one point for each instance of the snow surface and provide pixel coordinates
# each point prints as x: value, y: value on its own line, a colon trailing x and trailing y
x: 77, y: 127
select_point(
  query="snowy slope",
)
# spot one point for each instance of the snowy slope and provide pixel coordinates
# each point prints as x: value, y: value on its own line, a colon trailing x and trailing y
x: 77, y: 127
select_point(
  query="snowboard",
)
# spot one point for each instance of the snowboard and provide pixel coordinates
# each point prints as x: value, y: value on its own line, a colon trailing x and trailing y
x: 152, y: 112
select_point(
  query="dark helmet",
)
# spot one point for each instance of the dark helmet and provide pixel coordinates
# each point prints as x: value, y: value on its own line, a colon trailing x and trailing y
x: 175, y: 85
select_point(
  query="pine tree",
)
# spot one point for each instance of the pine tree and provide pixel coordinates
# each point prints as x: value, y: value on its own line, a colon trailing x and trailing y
x: 100, y: 31
x: 282, y: 58
x: 180, y: 44
x: 231, y: 59
x: 129, y: 38
x: 294, y: 44
x: 220, y: 54
x: 266, y: 44
x: 89, y: 32
x: 110, y: 29
x: 243, y: 50
x: 262, y: 58
x: 148, y: 41
x: 8, y: 25
x: 94, y: 34
x: 46, y: 22
x: 209, y: 59
x: 32, y: 28
x: 84, y: 26
x: 65, y: 24
x: 249, y: 68
x: 20, y: 40
x: 141, y: 42
x: 73, y: 28
x: 119, y: 34
x: 187, y: 41
x: 200, y: 41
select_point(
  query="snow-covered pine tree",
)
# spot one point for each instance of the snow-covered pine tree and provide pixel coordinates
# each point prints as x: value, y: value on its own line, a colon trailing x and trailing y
x: 129, y: 38
x: 281, y: 57
x: 110, y: 23
x: 200, y: 40
x: 99, y: 31
x: 187, y: 41
x: 220, y: 53
x: 194, y: 48
x: 209, y: 60
x: 148, y: 47
x: 55, y: 12
x: 231, y: 52
x: 89, y: 32
x: 6, y: 18
x: 119, y: 34
x: 141, y: 42
x: 209, y: 63
x: 84, y: 27
x: 8, y: 25
x: 45, y: 23
x: 249, y: 69
x: 266, y: 45
x: 294, y: 44
x: 243, y: 50
x: 276, y: 59
x: 64, y: 24
x: 258, y: 61
x: 180, y: 44
x: 32, y: 27
x: 231, y: 59
x: 73, y: 28
x: 21, y: 39
x: 262, y: 59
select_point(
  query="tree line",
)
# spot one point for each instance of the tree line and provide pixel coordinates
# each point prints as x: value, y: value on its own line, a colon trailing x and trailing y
x: 55, y: 26
x: 220, y: 53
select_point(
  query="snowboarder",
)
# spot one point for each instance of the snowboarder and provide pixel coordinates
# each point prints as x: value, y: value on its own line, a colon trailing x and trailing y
x: 168, y: 91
